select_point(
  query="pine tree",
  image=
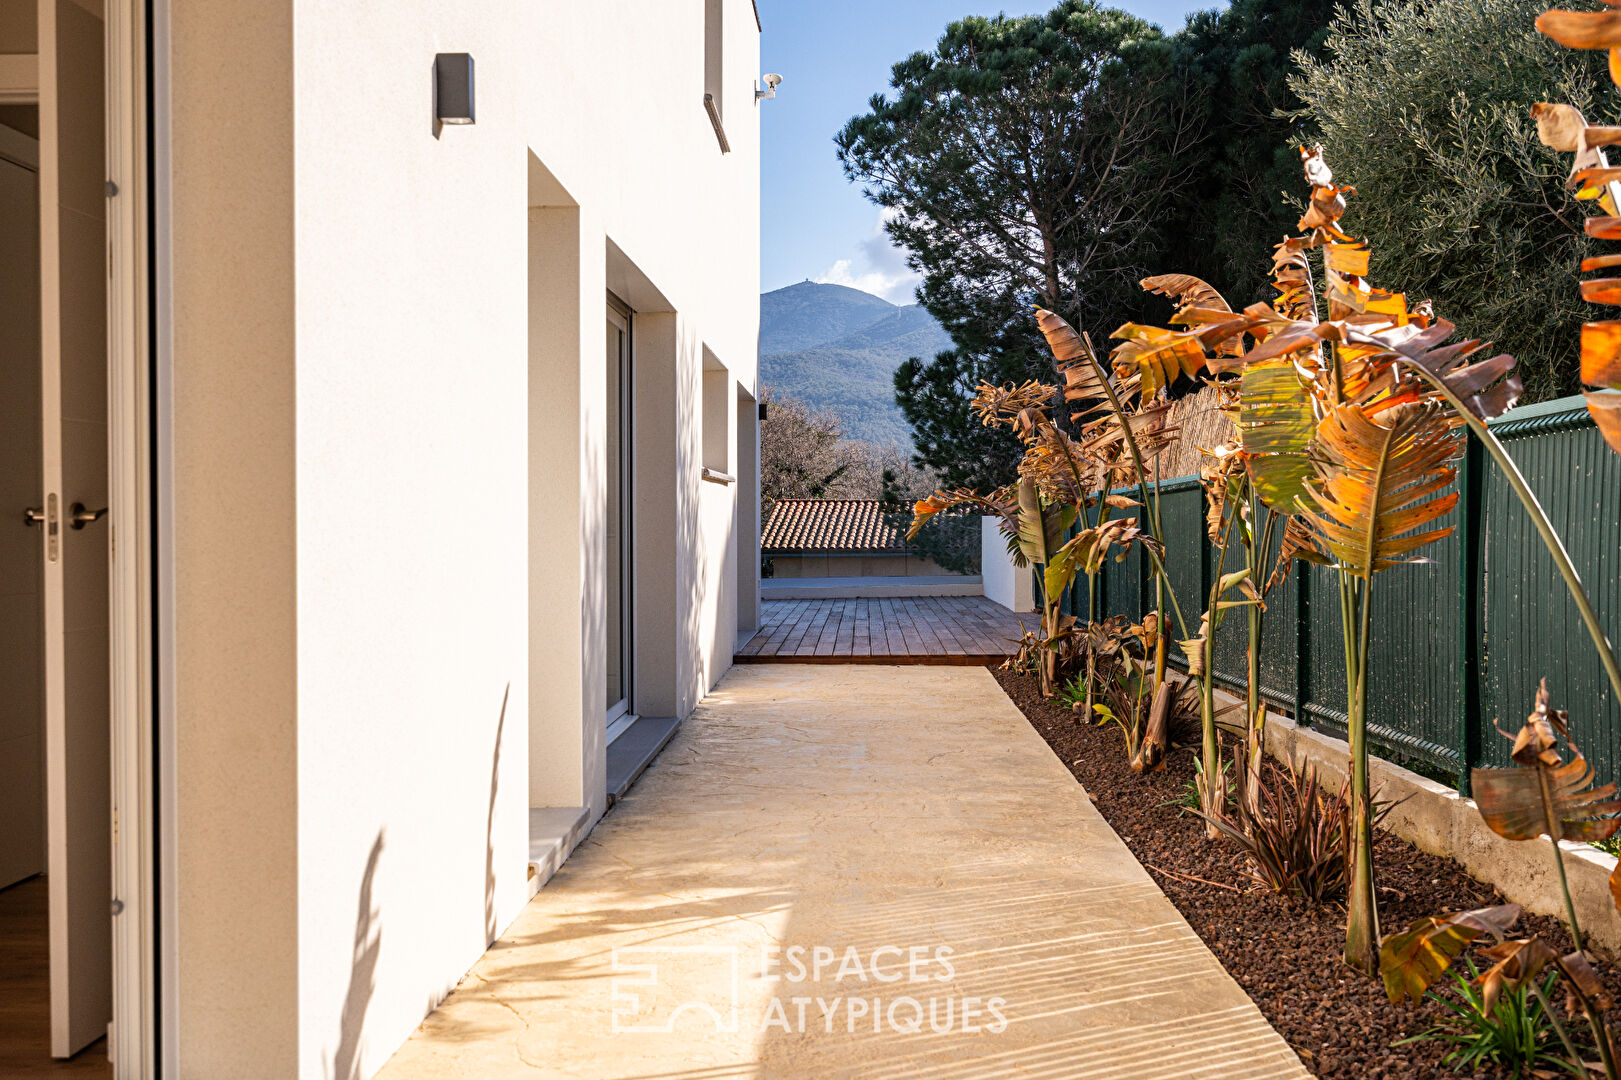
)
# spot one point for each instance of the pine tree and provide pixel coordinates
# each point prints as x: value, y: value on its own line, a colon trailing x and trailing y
x: 1025, y: 161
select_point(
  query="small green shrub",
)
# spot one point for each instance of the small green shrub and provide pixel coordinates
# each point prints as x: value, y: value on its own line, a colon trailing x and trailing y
x: 1517, y: 1036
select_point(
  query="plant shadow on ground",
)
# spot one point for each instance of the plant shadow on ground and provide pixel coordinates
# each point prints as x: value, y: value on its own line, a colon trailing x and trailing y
x: 1285, y: 955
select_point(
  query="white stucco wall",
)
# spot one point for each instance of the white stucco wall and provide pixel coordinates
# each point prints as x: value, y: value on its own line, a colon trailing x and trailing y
x: 374, y: 720
x: 1013, y: 588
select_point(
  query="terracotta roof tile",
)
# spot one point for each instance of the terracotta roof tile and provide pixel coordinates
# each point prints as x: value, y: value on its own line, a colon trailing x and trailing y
x: 830, y: 526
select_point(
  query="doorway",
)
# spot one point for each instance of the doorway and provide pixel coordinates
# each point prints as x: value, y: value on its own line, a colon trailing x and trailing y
x: 620, y: 481
x: 70, y: 742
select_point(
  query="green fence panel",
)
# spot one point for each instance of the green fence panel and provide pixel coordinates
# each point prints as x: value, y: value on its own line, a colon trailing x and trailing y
x: 1123, y: 581
x: 1416, y: 694
x: 1415, y: 689
x: 1280, y: 631
x: 1232, y: 638
x: 1182, y: 516
x: 1323, y: 669
x: 1460, y: 640
x: 1530, y: 627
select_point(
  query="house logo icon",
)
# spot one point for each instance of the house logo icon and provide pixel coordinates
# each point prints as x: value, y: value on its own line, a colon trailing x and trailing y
x: 663, y: 988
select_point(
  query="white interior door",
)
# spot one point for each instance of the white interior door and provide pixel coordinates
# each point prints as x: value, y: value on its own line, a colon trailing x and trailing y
x: 73, y: 260
x: 22, y: 664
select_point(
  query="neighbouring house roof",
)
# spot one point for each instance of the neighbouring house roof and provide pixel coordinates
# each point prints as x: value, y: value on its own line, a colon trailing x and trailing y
x: 830, y: 527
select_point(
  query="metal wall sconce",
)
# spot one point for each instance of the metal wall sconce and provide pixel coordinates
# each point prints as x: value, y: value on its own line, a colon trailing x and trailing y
x: 453, y: 88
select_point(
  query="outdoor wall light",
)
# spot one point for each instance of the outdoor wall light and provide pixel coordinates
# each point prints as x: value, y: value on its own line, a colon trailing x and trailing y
x: 453, y: 88
x: 772, y: 81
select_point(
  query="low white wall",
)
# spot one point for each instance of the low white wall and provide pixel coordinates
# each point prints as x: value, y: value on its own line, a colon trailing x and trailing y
x: 1005, y: 583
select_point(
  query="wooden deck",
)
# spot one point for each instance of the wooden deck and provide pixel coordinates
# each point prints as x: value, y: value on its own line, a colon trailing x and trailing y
x: 884, y: 630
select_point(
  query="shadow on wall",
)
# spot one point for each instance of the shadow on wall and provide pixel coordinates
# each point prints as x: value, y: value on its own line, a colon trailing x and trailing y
x: 489, y: 824
x: 345, y: 1064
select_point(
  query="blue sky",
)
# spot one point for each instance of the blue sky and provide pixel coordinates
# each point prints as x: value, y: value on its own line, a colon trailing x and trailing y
x: 833, y: 56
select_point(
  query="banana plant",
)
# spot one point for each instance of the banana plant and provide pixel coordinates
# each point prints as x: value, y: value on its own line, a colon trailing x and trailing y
x: 1222, y: 487
x: 1230, y: 488
x: 1271, y: 407
x: 1125, y: 427
x: 1546, y: 795
x: 1375, y: 491
x: 1562, y: 128
x: 1058, y: 481
x: 1334, y: 431
x: 1543, y: 795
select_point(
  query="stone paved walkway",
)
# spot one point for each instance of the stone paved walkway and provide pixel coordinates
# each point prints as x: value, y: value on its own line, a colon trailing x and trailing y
x: 904, y: 829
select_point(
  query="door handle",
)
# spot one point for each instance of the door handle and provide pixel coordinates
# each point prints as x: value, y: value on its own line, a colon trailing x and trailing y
x: 80, y: 515
x: 33, y: 515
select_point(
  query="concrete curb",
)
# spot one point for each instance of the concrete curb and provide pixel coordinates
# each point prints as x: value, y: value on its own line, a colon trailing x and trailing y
x: 1437, y: 820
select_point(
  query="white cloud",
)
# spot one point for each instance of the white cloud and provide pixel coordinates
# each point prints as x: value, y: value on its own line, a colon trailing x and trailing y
x: 879, y: 267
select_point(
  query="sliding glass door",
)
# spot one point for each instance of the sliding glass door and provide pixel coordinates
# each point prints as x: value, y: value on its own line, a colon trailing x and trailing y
x: 618, y: 528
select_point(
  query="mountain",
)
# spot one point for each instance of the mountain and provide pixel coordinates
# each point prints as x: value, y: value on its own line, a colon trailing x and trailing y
x: 837, y: 348
x: 804, y: 316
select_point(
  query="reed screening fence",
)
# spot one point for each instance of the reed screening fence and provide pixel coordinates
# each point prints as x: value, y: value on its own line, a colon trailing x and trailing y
x: 1459, y: 642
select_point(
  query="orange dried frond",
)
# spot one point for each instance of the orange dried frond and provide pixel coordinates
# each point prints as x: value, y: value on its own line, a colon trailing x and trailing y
x: 1601, y: 354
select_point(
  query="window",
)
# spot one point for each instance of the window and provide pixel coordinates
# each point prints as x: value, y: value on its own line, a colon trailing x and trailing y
x: 717, y: 430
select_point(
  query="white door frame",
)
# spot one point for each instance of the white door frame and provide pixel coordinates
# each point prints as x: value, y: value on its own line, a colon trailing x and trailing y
x: 133, y: 1042
x: 622, y: 713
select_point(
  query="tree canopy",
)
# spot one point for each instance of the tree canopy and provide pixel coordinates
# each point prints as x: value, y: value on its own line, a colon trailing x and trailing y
x: 1246, y: 194
x: 1427, y: 105
x: 1021, y: 162
x: 1056, y: 160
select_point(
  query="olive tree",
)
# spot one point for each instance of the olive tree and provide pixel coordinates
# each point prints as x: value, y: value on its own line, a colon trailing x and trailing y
x: 1428, y: 102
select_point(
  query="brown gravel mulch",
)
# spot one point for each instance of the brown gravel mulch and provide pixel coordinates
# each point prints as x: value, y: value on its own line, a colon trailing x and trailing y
x: 1286, y: 956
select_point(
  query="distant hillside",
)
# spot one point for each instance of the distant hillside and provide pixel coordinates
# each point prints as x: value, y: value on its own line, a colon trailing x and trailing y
x: 838, y: 348
x: 806, y: 315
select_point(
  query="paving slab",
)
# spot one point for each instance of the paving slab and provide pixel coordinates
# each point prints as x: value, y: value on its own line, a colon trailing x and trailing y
x: 858, y: 871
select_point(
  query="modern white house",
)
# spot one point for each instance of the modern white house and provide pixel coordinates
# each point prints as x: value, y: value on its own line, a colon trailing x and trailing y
x: 381, y: 454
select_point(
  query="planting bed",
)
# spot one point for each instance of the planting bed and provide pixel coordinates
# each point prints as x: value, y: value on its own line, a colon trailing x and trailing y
x: 1286, y: 956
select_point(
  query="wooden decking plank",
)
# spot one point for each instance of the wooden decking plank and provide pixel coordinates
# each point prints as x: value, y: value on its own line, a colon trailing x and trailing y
x: 809, y: 628
x: 958, y: 622
x: 993, y: 631
x: 909, y: 634
x: 847, y: 627
x: 813, y: 640
x: 930, y: 623
x: 792, y: 627
x: 971, y: 627
x: 993, y: 624
x: 828, y: 638
x: 789, y: 612
x: 932, y: 629
x: 771, y: 630
x: 861, y: 636
x: 894, y: 644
